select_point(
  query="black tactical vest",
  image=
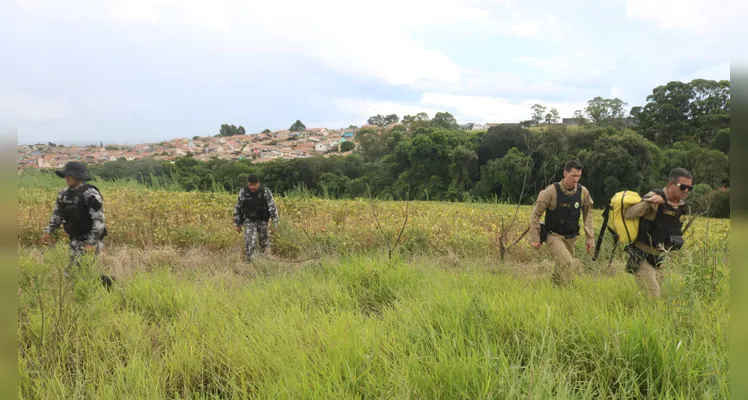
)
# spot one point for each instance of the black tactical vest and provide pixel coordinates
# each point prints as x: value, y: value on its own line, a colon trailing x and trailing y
x: 564, y: 219
x: 666, y: 225
x: 255, y: 206
x: 77, y: 221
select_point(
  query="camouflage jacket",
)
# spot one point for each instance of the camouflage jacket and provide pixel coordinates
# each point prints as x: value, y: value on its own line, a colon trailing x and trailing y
x: 93, y: 202
x: 244, y: 195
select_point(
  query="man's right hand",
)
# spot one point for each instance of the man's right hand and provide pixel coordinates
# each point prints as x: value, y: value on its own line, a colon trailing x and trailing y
x: 656, y: 199
x: 46, y: 238
x: 239, y: 229
x: 535, y: 245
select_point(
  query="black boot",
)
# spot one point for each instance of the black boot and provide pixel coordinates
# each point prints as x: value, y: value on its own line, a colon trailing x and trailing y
x: 107, y: 281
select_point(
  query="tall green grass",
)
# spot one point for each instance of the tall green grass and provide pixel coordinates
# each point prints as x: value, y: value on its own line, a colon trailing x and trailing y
x: 46, y: 179
x: 364, y: 327
x: 43, y: 179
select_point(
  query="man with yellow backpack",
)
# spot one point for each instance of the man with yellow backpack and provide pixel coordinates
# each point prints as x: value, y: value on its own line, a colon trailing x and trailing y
x: 649, y: 226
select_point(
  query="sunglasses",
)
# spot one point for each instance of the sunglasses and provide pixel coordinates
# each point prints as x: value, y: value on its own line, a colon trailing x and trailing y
x: 683, y: 187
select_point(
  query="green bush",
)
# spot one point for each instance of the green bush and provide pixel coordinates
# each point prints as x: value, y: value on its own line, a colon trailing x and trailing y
x: 698, y: 198
x: 720, y: 203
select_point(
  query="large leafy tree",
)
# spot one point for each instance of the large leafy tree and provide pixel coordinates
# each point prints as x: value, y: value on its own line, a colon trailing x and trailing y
x: 297, y: 126
x: 682, y: 124
x: 695, y: 111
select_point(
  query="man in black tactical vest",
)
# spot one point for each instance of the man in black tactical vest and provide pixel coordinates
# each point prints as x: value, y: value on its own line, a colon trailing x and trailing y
x: 563, y: 203
x: 661, y: 213
x: 80, y: 210
x: 254, y: 208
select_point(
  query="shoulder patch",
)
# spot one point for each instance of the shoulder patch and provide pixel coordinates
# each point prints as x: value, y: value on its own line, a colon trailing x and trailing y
x: 93, y: 198
x: 94, y: 203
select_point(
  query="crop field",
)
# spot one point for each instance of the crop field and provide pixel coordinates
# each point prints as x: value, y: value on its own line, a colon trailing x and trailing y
x: 144, y: 218
x: 329, y: 314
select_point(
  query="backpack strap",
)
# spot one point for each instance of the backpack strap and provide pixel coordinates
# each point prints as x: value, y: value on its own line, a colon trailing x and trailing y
x: 97, y: 189
x: 612, y: 252
x: 660, y: 207
x: 661, y: 193
x: 628, y: 234
x: 82, y: 189
x: 606, y: 214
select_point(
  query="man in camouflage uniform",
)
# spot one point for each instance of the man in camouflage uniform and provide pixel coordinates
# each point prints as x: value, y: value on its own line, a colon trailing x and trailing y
x: 254, y: 208
x: 80, y: 210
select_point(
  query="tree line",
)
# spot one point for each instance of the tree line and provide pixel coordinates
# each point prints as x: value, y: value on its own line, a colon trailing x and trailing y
x: 421, y: 158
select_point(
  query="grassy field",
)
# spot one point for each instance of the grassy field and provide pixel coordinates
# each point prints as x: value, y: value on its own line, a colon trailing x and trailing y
x: 443, y: 318
x: 140, y: 217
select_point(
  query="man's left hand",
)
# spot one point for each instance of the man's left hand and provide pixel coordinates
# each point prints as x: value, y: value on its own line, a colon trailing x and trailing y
x: 89, y: 248
x: 590, y: 246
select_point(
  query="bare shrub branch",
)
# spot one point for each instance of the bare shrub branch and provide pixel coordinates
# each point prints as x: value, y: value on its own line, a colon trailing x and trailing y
x: 505, y: 230
x: 388, y: 238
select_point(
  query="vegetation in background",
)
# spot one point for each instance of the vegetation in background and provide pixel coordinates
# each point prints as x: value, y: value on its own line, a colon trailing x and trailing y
x: 441, y: 312
x: 681, y: 124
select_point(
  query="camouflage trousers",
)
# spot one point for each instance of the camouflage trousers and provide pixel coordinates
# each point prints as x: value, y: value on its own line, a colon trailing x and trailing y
x: 77, y: 251
x: 255, y: 231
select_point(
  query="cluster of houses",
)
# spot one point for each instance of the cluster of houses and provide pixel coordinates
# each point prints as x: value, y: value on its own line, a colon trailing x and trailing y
x: 261, y: 147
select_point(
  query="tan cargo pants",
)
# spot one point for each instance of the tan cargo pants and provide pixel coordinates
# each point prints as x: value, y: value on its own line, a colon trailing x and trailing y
x: 649, y: 279
x: 647, y: 276
x: 562, y: 249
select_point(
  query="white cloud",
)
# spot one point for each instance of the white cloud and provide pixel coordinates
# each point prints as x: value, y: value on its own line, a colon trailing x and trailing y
x: 535, y: 62
x: 374, y: 39
x: 695, y: 16
x: 575, y: 65
x: 371, y: 39
x: 716, y: 72
x: 33, y: 109
x: 547, y: 26
x: 514, y: 85
x: 134, y: 10
x: 8, y: 113
x: 385, y: 44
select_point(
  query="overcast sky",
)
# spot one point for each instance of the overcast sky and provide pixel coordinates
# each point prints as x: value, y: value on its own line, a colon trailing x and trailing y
x: 131, y: 71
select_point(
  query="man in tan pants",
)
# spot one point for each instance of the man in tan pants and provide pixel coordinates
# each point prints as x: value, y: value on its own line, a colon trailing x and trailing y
x: 562, y: 203
x: 661, y: 213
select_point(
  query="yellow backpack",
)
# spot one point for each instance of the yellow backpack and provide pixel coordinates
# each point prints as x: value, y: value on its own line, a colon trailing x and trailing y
x: 623, y: 231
